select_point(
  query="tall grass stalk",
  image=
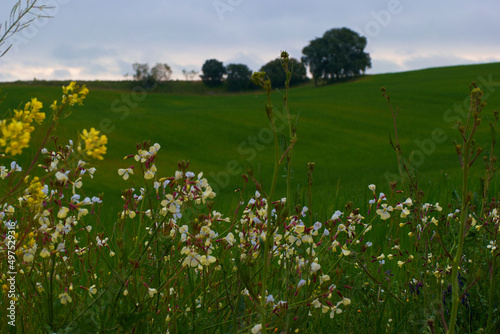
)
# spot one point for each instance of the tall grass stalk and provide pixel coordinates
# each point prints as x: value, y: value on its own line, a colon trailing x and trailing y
x: 467, y: 158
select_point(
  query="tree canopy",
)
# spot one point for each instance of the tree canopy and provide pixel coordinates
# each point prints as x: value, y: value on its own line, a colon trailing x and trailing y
x: 159, y: 72
x: 238, y: 77
x: 277, y: 75
x: 213, y: 72
x: 339, y: 54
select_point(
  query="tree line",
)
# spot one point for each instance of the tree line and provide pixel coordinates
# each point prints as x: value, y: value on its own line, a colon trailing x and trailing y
x: 337, y: 55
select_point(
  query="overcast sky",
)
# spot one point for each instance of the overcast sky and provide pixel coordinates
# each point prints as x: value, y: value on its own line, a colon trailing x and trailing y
x: 101, y: 39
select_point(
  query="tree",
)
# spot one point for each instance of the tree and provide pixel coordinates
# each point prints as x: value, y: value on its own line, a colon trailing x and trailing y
x: 213, y: 72
x: 189, y: 74
x: 161, y: 72
x: 238, y: 77
x: 339, y: 54
x: 141, y: 71
x: 276, y: 73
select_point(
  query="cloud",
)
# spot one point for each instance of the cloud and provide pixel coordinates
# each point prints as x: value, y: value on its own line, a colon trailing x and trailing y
x: 96, y: 39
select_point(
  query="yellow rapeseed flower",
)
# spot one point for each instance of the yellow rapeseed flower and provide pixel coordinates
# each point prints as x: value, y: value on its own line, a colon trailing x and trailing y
x: 13, y: 136
x: 95, y: 144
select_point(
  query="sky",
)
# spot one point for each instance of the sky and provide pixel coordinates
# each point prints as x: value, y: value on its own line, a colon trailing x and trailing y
x: 101, y: 39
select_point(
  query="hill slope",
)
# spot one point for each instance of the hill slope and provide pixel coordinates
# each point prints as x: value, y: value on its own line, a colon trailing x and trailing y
x: 343, y: 128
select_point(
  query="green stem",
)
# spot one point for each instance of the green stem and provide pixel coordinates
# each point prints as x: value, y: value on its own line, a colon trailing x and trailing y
x: 461, y: 238
x: 51, y: 294
x: 489, y: 326
x: 193, y: 300
x: 269, y: 228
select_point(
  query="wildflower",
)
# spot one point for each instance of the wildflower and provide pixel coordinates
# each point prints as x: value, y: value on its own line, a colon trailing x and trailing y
x: 315, y: 267
x: 384, y: 212
x: 337, y: 215
x: 317, y: 226
x: 230, y: 238
x: 44, y: 253
x: 335, y: 310
x: 301, y: 283
x: 14, y: 167
x: 63, y: 212
x: 345, y: 251
x: 150, y: 172
x: 405, y: 212
x: 13, y: 136
x: 95, y: 145
x: 65, y: 298
x: 257, y: 329
x: 493, y: 246
x: 124, y: 172
x: 72, y: 94
x: 152, y: 292
x: 316, y: 303
x: 401, y: 263
x: 28, y: 257
x: 92, y: 290
x: 372, y: 187
x: 346, y: 301
x: 62, y: 177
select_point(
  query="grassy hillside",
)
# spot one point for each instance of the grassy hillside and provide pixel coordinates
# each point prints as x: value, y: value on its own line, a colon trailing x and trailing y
x: 343, y: 128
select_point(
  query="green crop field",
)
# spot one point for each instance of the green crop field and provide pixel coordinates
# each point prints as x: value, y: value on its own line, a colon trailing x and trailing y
x: 344, y: 128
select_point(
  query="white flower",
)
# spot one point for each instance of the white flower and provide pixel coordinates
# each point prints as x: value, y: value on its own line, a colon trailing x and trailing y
x: 44, y: 253
x: 92, y: 290
x: 335, y: 310
x: 257, y: 329
x: 492, y: 245
x: 315, y: 267
x: 124, y: 172
x: 317, y: 226
x: 270, y: 299
x: 65, y: 298
x: 372, y: 187
x: 316, y: 303
x: 302, y: 282
x: 384, y: 212
x: 337, y: 215
x: 230, y: 238
x: 152, y: 292
x: 15, y: 167
x: 62, y: 177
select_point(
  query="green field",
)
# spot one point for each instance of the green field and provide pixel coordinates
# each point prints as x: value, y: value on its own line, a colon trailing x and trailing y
x: 342, y: 127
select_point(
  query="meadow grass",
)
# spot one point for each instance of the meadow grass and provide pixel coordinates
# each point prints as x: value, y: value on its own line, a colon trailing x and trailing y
x: 344, y: 128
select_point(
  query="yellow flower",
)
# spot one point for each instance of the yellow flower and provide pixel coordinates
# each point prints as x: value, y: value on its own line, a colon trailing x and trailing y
x: 34, y: 194
x: 13, y: 136
x: 95, y: 145
x: 73, y: 94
